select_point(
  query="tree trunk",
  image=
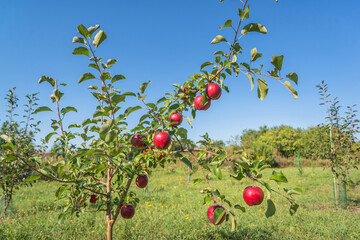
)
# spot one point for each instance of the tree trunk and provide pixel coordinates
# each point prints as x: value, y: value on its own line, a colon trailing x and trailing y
x: 109, y: 228
x: 336, y: 191
x: 188, y: 174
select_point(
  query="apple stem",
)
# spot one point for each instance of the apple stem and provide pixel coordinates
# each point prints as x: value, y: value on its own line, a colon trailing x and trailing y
x: 252, y: 180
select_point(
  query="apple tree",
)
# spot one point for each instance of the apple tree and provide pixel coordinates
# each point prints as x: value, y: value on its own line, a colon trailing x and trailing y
x: 97, y: 174
x: 340, y: 143
x: 19, y: 138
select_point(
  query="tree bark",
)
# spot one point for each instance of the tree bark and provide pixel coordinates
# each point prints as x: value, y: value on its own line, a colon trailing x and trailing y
x: 109, y: 228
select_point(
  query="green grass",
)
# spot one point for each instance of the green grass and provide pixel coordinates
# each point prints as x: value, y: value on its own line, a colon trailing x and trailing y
x: 171, y: 208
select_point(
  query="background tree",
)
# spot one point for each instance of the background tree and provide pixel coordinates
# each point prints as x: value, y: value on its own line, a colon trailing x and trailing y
x: 342, y: 137
x: 21, y: 135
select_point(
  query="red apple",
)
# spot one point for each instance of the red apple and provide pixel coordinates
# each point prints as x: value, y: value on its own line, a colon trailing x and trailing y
x: 142, y: 181
x: 253, y: 195
x: 176, y: 119
x: 198, y: 103
x: 213, y: 91
x: 136, y: 141
x: 162, y: 140
x: 185, y: 94
x: 127, y: 211
x: 93, y: 198
x: 210, y: 214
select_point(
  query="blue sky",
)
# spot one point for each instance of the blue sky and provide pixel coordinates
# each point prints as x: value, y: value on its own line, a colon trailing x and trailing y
x: 166, y: 41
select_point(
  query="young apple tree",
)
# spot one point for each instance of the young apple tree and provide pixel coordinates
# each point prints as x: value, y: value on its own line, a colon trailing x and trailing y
x: 16, y: 137
x: 340, y: 147
x: 112, y: 156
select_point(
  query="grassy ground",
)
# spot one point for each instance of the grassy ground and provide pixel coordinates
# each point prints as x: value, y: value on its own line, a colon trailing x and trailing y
x: 171, y: 208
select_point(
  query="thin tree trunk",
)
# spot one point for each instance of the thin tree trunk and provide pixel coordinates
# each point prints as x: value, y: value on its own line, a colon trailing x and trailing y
x: 337, y: 191
x: 109, y: 227
x: 188, y: 174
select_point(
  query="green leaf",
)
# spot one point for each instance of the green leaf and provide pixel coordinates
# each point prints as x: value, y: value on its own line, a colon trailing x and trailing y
x: 6, y: 138
x: 239, y: 207
x: 291, y: 89
x: 56, y: 96
x: 271, y: 209
x: 144, y: 86
x: 278, y: 177
x: 105, y: 128
x: 48, y: 136
x: 79, y: 40
x: 129, y: 94
x: 173, y: 107
x: 81, y: 51
x: 233, y: 222
x: 244, y: 13
x: 218, y: 39
x: 293, y: 76
x: 253, y: 27
x: 42, y: 109
x: 198, y: 180
x: 32, y: 178
x: 117, y: 78
x: 131, y: 109
x: 262, y: 88
x: 277, y: 61
x: 218, y: 214
x: 91, y: 30
x: 117, y: 99
x: 86, y: 76
x: 205, y: 64
x: 217, y: 171
x: 186, y: 161
x: 267, y: 186
x: 251, y: 79
x: 99, y: 38
x: 293, y: 191
x: 228, y: 23
x: 8, y: 146
x: 188, y: 120
x: 207, y: 199
x: 255, y: 55
x: 74, y: 125
x: 68, y: 109
x: 297, y: 190
x: 293, y: 208
x: 110, y: 136
x: 47, y: 79
x: 83, y: 31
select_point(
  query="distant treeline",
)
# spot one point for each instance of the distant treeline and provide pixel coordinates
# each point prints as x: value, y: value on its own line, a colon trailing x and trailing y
x: 276, y: 143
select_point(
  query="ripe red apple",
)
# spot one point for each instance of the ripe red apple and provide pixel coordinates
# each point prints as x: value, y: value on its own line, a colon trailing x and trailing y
x: 198, y: 103
x: 93, y: 198
x: 253, y: 195
x: 127, y: 211
x: 162, y: 140
x: 136, y: 141
x: 142, y: 181
x: 176, y: 119
x: 185, y: 94
x: 210, y: 214
x: 213, y: 91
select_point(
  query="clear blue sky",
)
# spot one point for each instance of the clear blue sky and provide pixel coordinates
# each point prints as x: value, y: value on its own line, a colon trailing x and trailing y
x: 166, y: 41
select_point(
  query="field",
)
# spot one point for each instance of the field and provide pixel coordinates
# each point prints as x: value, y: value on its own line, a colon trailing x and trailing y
x: 171, y: 208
